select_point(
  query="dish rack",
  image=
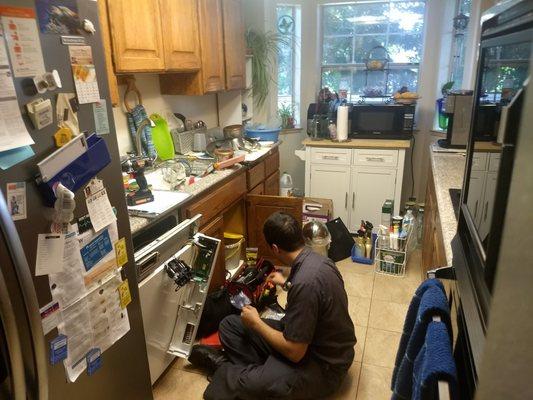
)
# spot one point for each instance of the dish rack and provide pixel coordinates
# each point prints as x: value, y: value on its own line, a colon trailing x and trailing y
x: 393, y: 253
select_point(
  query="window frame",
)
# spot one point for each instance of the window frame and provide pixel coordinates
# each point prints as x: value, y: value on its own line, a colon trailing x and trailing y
x: 360, y: 66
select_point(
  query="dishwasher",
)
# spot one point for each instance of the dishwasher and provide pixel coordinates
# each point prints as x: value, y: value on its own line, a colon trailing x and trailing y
x: 174, y: 272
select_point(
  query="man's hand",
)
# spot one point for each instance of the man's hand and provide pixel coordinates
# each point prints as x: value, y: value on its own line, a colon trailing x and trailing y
x: 276, y: 278
x: 250, y: 316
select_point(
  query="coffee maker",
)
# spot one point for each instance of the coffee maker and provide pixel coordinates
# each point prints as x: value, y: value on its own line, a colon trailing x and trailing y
x: 458, y: 106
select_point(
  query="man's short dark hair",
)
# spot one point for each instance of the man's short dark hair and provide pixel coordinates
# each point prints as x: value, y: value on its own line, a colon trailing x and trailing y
x: 284, y: 231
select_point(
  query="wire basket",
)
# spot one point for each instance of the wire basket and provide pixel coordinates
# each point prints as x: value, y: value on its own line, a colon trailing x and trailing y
x: 392, y: 254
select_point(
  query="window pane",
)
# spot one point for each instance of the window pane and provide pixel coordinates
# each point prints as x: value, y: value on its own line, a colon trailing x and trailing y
x: 363, y: 45
x: 406, y: 17
x: 370, y: 13
x: 338, y: 20
x: 336, y: 79
x: 405, y: 48
x: 337, y: 50
x: 403, y: 77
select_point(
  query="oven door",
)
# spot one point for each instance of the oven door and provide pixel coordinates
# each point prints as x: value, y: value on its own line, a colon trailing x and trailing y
x: 172, y: 307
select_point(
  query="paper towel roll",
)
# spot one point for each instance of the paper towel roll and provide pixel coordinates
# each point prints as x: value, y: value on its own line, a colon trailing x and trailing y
x: 342, y: 123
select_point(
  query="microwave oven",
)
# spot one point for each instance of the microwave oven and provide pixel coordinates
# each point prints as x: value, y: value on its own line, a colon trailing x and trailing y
x: 382, y: 121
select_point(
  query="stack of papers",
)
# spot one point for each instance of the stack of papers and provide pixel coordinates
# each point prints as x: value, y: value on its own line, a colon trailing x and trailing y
x: 163, y: 201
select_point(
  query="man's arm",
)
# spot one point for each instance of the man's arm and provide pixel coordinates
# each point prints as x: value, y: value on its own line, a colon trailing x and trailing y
x: 293, y: 351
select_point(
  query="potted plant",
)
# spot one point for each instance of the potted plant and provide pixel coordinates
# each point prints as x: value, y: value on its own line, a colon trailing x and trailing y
x: 286, y: 113
x: 442, y: 117
x: 264, y: 48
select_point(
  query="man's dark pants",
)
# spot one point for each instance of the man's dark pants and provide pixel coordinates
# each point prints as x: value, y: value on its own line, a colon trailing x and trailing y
x: 257, y: 371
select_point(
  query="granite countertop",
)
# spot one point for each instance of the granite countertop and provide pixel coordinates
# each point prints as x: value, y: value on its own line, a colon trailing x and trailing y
x: 137, y: 223
x: 360, y: 143
x: 448, y: 172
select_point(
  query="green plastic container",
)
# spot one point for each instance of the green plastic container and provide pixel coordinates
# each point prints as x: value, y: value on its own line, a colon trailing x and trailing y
x: 162, y: 138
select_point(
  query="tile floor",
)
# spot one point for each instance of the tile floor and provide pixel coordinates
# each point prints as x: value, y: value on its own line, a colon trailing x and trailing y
x: 377, y: 305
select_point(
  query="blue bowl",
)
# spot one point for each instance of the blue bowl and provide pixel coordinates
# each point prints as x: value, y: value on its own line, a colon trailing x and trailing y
x: 264, y: 135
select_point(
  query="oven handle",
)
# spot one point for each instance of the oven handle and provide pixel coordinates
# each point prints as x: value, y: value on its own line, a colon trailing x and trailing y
x: 148, y: 261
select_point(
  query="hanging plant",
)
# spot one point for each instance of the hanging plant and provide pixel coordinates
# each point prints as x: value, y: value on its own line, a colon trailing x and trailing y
x: 264, y: 48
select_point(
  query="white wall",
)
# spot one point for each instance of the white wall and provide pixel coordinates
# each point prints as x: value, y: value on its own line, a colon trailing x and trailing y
x: 193, y: 107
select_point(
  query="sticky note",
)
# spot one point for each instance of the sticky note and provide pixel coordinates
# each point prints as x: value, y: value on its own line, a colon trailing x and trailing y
x: 124, y: 294
x: 121, y: 252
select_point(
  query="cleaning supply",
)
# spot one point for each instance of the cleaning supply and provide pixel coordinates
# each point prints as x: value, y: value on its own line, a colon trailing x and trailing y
x: 285, y: 185
x: 162, y: 138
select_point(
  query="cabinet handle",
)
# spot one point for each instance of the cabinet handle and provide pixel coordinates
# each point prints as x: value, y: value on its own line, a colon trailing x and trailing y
x: 353, y: 200
x: 330, y: 157
x: 475, y: 209
x: 346, y: 200
x: 486, y: 210
x: 378, y: 159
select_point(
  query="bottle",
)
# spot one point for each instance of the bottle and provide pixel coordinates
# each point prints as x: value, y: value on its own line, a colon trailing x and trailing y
x: 285, y: 185
x: 420, y: 222
x: 408, y: 221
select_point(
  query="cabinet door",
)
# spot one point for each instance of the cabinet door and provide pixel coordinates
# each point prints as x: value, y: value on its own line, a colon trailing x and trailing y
x: 136, y: 34
x: 212, y: 45
x: 475, y: 195
x: 258, y: 209
x: 216, y: 229
x: 234, y: 45
x: 272, y: 184
x: 180, y: 29
x: 332, y: 182
x: 371, y: 186
x: 485, y: 217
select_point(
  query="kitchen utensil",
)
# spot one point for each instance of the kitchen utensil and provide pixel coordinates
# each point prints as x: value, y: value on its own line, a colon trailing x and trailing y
x: 183, y: 141
x: 223, y: 154
x: 233, y: 131
x: 162, y: 138
x: 229, y: 162
x: 200, y: 124
x: 200, y: 142
x: 173, y: 173
x: 189, y: 125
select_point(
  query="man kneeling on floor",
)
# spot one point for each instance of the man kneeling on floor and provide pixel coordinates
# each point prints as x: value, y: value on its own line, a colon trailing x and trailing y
x: 305, y: 355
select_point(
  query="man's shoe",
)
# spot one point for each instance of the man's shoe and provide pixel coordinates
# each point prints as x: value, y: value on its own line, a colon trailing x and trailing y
x: 207, y: 357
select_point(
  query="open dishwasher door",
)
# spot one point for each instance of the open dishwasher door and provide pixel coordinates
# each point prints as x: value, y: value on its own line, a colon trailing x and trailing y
x: 175, y: 272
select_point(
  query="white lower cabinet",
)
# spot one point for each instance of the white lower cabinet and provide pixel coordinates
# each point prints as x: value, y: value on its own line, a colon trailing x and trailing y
x: 370, y: 187
x: 332, y: 182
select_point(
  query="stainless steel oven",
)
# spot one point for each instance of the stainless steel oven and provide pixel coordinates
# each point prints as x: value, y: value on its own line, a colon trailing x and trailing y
x: 382, y: 121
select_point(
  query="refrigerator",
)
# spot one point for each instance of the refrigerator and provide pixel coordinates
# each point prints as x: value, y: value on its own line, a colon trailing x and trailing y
x: 25, y: 368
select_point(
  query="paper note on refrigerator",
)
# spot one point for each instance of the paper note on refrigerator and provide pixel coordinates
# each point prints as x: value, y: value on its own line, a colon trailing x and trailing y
x: 100, y: 210
x: 23, y: 41
x: 84, y: 72
x: 16, y: 200
x: 50, y: 248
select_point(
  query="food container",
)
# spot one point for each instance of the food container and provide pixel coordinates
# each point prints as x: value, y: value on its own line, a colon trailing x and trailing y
x: 234, y: 243
x: 233, y: 131
x: 223, y: 154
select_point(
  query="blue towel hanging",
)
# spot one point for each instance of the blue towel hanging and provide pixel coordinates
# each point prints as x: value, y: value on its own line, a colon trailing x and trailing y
x: 135, y: 117
x: 410, y: 322
x: 433, y: 303
x: 434, y: 363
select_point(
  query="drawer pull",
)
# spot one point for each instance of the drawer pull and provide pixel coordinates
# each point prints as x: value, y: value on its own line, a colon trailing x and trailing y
x: 377, y: 159
x: 148, y: 262
x: 330, y: 157
x: 353, y: 200
x: 346, y: 200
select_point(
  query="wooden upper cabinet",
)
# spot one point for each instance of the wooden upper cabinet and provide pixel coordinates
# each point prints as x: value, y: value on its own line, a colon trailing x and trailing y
x: 181, y: 44
x: 211, y: 41
x: 137, y: 36
x: 234, y: 44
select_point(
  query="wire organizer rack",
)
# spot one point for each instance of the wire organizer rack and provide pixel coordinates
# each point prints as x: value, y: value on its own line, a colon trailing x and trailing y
x: 393, y: 253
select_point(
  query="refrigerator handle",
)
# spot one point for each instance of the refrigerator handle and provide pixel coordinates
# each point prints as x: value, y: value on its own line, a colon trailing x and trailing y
x: 29, y: 295
x: 16, y: 361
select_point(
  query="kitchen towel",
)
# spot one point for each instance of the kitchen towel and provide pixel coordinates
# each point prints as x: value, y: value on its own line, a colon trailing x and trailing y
x: 342, y: 122
x: 135, y: 117
x: 410, y: 320
x: 432, y: 304
x: 435, y: 363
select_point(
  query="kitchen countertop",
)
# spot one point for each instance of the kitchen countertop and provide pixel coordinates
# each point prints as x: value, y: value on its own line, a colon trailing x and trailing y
x: 360, y: 143
x: 448, y: 172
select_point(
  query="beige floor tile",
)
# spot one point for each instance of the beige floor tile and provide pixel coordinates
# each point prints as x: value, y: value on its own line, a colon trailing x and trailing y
x: 347, y: 266
x: 178, y: 384
x: 387, y: 315
x: 359, y: 285
x: 186, y: 366
x: 374, y: 383
x: 360, y: 334
x: 395, y: 289
x: 348, y: 389
x: 359, y: 309
x: 381, y: 347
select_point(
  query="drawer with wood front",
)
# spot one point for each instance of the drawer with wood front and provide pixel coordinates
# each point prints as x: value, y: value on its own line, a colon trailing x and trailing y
x: 376, y: 158
x: 272, y: 162
x: 211, y: 205
x: 255, y: 175
x: 330, y: 156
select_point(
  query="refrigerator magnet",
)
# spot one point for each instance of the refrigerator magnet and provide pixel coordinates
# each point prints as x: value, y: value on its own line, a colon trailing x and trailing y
x: 58, y: 349
x: 124, y: 294
x: 94, y: 360
x: 16, y: 200
x: 121, y: 252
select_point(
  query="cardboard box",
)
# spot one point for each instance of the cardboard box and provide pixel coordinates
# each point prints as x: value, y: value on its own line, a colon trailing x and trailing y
x: 317, y: 210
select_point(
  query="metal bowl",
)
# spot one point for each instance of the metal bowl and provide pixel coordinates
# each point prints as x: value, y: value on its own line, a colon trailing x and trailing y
x: 233, y: 131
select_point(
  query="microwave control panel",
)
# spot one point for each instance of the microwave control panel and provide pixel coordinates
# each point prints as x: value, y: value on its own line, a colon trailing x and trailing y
x: 408, y: 122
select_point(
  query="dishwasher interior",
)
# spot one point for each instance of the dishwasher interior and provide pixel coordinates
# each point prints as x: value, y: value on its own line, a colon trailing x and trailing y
x: 175, y: 272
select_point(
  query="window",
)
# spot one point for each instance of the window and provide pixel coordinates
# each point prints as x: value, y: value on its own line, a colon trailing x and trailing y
x: 354, y: 31
x: 460, y: 26
x: 289, y: 27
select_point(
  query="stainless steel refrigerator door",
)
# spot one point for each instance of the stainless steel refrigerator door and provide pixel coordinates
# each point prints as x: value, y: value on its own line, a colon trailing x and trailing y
x: 124, y: 373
